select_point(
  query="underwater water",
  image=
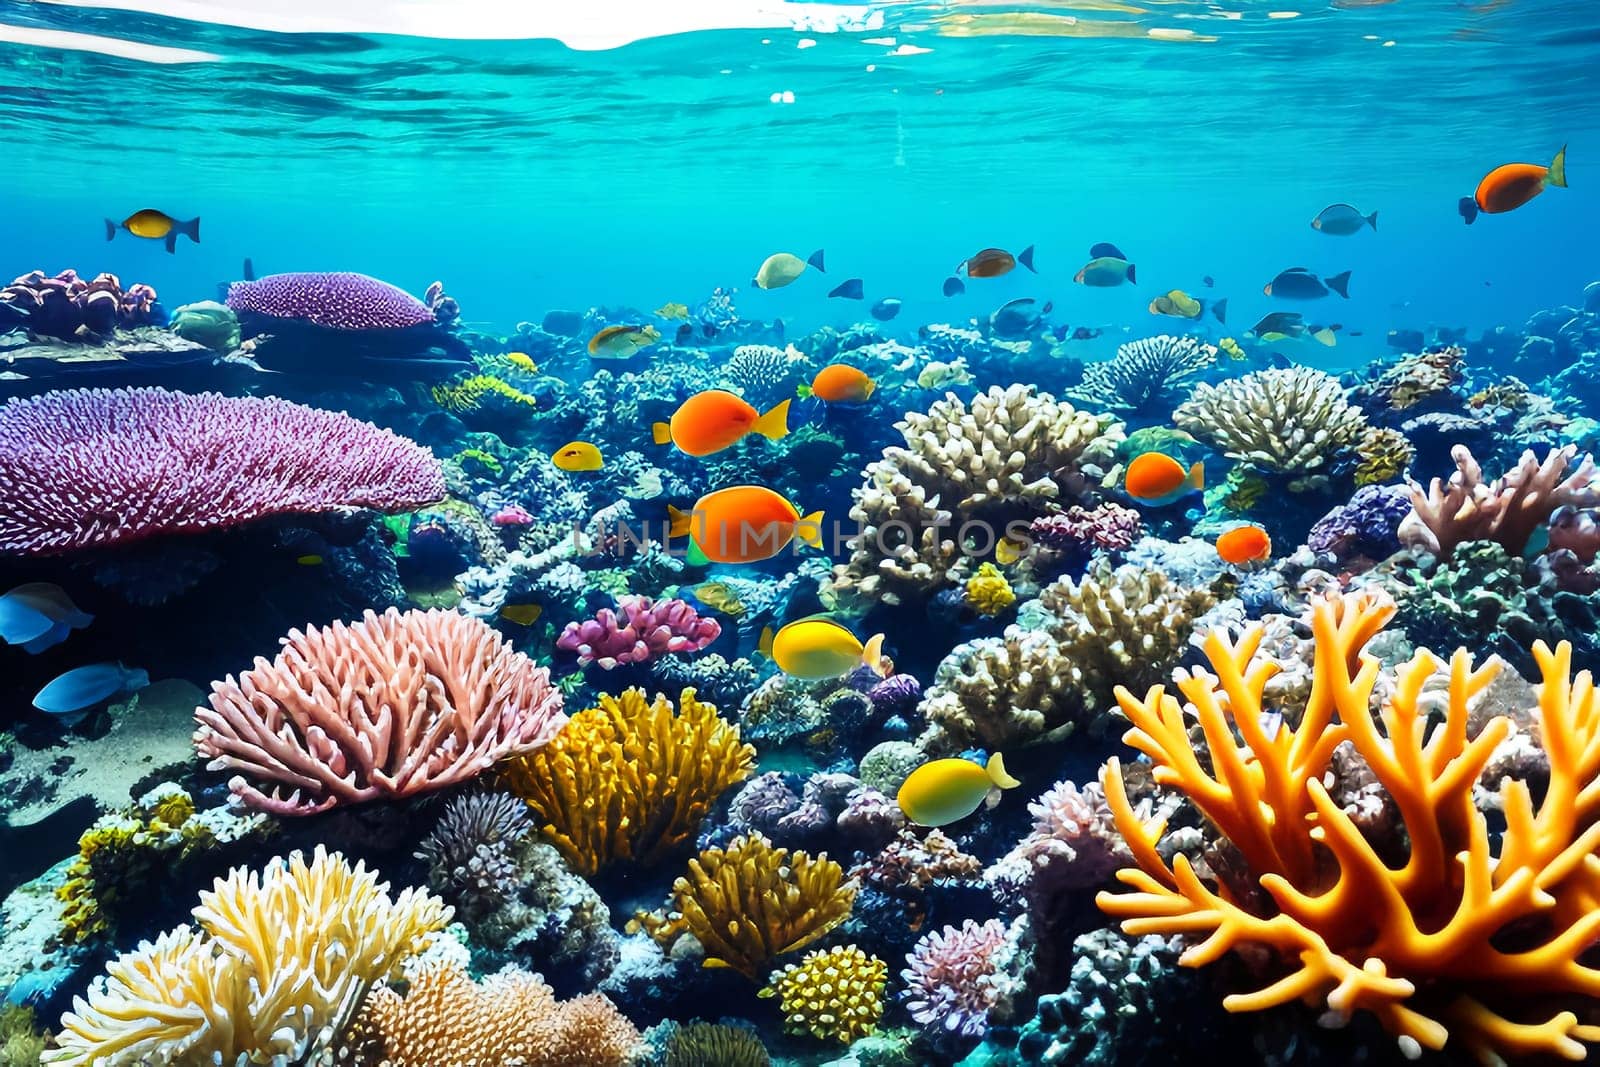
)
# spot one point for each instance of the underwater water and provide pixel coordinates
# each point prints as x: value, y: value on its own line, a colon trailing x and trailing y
x: 754, y: 531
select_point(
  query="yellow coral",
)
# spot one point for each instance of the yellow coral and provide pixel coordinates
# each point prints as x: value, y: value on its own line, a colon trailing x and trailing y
x: 523, y: 362
x: 630, y: 781
x: 283, y: 957
x: 988, y: 592
x: 750, y: 903
x: 1458, y: 943
x: 835, y: 995
x: 1384, y: 456
x: 471, y: 393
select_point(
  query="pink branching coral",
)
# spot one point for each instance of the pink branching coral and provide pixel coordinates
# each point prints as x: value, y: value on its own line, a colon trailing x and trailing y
x: 639, y: 631
x: 1110, y: 526
x: 388, y: 706
x: 337, y: 300
x: 1507, y: 510
x: 68, y: 307
x: 950, y: 977
x: 92, y: 467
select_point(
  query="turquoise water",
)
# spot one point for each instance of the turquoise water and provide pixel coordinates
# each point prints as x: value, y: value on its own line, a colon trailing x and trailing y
x: 528, y: 175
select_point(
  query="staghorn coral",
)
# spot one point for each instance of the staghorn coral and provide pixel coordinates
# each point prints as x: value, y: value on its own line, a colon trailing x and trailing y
x: 988, y: 592
x: 630, y: 780
x: 88, y: 468
x: 1143, y: 377
x: 389, y: 706
x: 1507, y: 510
x: 284, y: 956
x: 750, y: 903
x: 1005, y: 457
x: 509, y: 1019
x: 1290, y: 420
x: 639, y: 631
x: 833, y: 995
x: 1383, y: 456
x: 950, y: 978
x: 1467, y: 941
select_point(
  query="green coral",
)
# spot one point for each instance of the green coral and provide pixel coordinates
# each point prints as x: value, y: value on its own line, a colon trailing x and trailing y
x: 20, y: 1044
x: 468, y: 458
x: 1239, y: 492
x: 483, y: 394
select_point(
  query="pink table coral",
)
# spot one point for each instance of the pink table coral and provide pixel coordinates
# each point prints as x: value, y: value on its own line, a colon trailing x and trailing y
x: 639, y: 631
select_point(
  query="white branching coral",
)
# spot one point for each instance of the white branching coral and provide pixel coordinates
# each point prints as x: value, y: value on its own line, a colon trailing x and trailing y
x: 1289, y: 420
x: 1144, y: 374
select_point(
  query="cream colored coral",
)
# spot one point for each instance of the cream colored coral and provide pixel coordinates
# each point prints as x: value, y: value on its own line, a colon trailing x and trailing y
x: 1003, y: 457
x: 1285, y: 419
x: 998, y: 692
x: 283, y: 959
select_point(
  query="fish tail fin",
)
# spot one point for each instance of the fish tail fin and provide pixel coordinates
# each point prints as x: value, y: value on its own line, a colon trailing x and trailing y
x: 695, y: 556
x: 1325, y: 337
x: 1372, y: 220
x: 678, y: 522
x: 1467, y: 208
x: 1558, y: 169
x: 815, y: 259
x: 774, y: 425
x: 190, y: 229
x: 249, y: 269
x: 809, y: 530
x: 1132, y: 276
x: 996, y: 769
x: 872, y: 656
x: 1026, y: 259
x: 111, y: 229
x: 870, y: 386
x: 1340, y: 283
x: 1197, y: 475
x: 1220, y: 310
x: 661, y: 433
x: 172, y: 240
x: 767, y: 638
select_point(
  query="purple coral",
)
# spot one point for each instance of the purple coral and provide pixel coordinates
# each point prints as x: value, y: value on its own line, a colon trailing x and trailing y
x: 897, y: 694
x: 68, y: 307
x: 1366, y: 526
x: 644, y: 630
x: 337, y: 300
x: 1074, y: 845
x: 1110, y: 527
x: 93, y: 467
x: 950, y: 977
x: 870, y: 819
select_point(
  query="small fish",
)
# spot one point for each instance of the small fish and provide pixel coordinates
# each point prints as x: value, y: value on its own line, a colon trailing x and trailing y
x: 716, y: 419
x: 782, y: 268
x: 886, y: 309
x: 1231, y: 348
x: 622, y: 342
x: 1107, y: 268
x: 1342, y: 220
x: 1208, y: 282
x: 1156, y: 479
x: 155, y: 225
x: 849, y: 289
x: 1177, y: 304
x: 1244, y: 544
x: 577, y: 456
x: 684, y: 335
x: 1298, y: 283
x: 989, y: 263
x: 1086, y: 333
x: 817, y: 648
x: 309, y: 560
x: 71, y: 696
x: 953, y: 286
x: 1283, y: 323
x: 743, y: 524
x: 1511, y: 185
x: 671, y: 311
x: 1106, y: 250
x: 523, y: 362
x: 720, y: 596
x: 1008, y: 550
x: 521, y: 614
x: 948, y: 790
x: 1014, y: 320
x: 39, y: 615
x: 839, y: 383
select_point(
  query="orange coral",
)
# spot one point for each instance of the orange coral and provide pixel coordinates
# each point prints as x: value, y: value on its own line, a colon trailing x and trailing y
x: 1427, y: 947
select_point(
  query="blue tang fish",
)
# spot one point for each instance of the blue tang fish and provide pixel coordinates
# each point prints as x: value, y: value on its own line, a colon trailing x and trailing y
x: 72, y: 695
x: 39, y: 615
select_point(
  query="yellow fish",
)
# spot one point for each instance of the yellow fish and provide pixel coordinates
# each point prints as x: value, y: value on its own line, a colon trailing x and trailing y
x: 1178, y: 304
x: 522, y: 361
x: 521, y: 614
x: 309, y: 561
x: 1008, y: 551
x: 578, y: 456
x: 671, y: 311
x: 1231, y: 347
x: 719, y: 596
x: 948, y: 790
x: 155, y: 225
x: 622, y: 342
x: 817, y: 648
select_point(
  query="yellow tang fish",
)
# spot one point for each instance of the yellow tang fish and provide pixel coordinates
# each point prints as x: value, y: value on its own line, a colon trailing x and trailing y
x: 719, y: 596
x: 672, y: 311
x: 1008, y: 550
x: 578, y: 456
x: 155, y: 225
x: 522, y: 361
x: 948, y: 790
x: 622, y: 342
x: 817, y: 648
x: 521, y: 614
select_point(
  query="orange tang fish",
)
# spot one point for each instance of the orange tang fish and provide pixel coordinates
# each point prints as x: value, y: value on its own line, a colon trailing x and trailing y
x: 840, y: 384
x: 743, y: 524
x: 714, y: 419
x: 1244, y: 544
x: 1157, y: 479
x: 1508, y: 187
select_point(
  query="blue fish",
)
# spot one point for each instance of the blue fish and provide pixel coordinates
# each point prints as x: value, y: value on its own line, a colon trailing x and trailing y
x: 39, y: 615
x: 71, y: 696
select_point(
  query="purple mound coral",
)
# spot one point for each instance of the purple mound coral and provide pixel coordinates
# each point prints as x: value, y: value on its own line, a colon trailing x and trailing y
x: 336, y: 300
x: 950, y: 977
x: 68, y: 307
x: 1365, y: 527
x: 640, y: 630
x: 93, y: 467
x: 1111, y: 527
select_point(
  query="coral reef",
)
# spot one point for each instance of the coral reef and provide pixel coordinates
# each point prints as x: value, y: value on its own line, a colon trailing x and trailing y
x: 1144, y: 377
x: 639, y: 631
x: 333, y: 300
x: 832, y: 995
x: 1506, y: 510
x: 705, y: 1044
x: 1292, y: 420
x: 72, y: 309
x: 950, y: 977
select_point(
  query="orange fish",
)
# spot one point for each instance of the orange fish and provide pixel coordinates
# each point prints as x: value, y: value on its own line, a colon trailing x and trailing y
x: 743, y: 524
x: 840, y: 384
x: 1244, y: 544
x: 1157, y: 479
x: 713, y: 420
x: 1508, y: 187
